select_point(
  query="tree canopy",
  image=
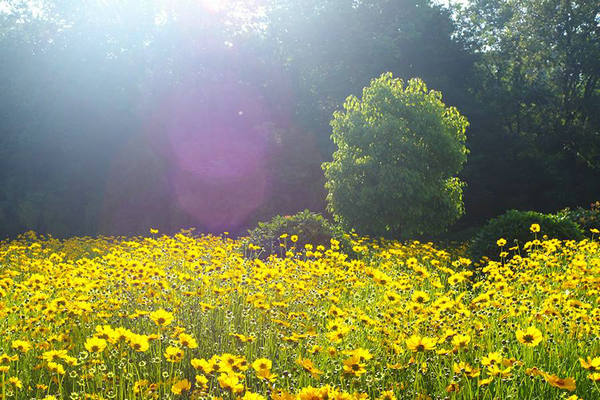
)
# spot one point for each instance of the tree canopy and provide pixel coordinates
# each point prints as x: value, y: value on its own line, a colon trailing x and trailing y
x: 399, y: 151
x: 116, y: 115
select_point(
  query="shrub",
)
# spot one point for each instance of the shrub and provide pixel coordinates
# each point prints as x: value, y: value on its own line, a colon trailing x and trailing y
x: 586, y: 218
x: 514, y: 226
x: 399, y: 151
x: 308, y: 227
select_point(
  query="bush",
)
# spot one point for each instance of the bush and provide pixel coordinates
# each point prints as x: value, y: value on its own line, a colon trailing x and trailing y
x: 399, y: 151
x: 514, y: 226
x: 308, y: 227
x: 586, y: 218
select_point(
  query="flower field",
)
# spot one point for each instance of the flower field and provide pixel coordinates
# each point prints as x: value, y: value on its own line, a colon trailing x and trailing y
x: 200, y: 317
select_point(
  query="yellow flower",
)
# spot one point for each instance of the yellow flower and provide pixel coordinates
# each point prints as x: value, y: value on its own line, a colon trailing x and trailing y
x: 466, y: 368
x: 362, y: 354
x: 309, y: 367
x: 95, y: 345
x: 461, y: 341
x: 491, y: 359
x: 16, y: 382
x: 387, y: 395
x: 530, y: 337
x: 294, y: 238
x: 353, y: 366
x: 534, y: 228
x: 55, y: 367
x: 420, y: 297
x: 161, y: 317
x: 230, y: 382
x: 262, y: 364
x: 417, y: 343
x: 253, y: 396
x: 590, y: 364
x: 139, y: 343
x: 501, y: 242
x: 202, y: 380
x: 595, y: 376
x: 21, y: 345
x: 181, y: 386
x: 452, y: 387
x: 173, y: 354
x: 566, y: 383
x: 187, y: 341
x: 484, y: 382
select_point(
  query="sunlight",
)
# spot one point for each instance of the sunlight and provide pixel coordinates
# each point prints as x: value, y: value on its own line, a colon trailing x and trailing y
x: 216, y: 6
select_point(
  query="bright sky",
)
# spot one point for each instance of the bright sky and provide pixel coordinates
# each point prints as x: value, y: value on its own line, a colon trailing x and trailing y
x: 446, y: 2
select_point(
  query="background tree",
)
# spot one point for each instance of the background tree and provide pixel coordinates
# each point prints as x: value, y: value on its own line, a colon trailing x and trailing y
x: 90, y: 88
x: 399, y: 151
x: 535, y: 137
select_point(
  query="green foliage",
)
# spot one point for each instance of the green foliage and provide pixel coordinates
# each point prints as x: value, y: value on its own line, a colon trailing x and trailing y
x: 586, y: 218
x: 399, y: 149
x: 309, y: 227
x: 514, y: 227
x: 537, y: 90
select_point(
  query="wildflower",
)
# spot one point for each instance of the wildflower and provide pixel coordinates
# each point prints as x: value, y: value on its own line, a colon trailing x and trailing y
x: 21, y: 345
x: 262, y: 364
x: 253, y: 396
x: 465, y: 368
x: 294, y: 238
x: 56, y: 368
x: 173, y: 354
x: 420, y: 297
x: 590, y: 364
x: 230, y: 382
x: 452, y: 387
x: 181, y: 386
x: 161, y: 317
x: 566, y: 383
x: 309, y: 367
x: 530, y: 337
x: 362, y: 354
x: 417, y: 343
x: 495, y: 370
x: 595, y: 376
x: 139, y: 343
x: 95, y: 345
x: 534, y: 228
x: 5, y: 358
x: 353, y: 366
x: 16, y: 382
x: 202, y: 381
x: 461, y: 341
x: 187, y: 341
x: 493, y: 358
x: 387, y: 395
x: 501, y: 242
x: 485, y: 382
x: 138, y: 386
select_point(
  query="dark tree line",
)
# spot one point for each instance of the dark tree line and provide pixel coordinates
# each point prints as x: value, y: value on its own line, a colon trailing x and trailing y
x: 118, y: 116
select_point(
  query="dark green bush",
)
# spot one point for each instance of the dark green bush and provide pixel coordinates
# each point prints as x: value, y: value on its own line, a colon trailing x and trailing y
x: 514, y: 227
x: 586, y: 218
x: 309, y: 227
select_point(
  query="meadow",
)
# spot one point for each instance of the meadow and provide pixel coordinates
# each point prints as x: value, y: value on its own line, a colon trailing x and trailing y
x: 189, y: 316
